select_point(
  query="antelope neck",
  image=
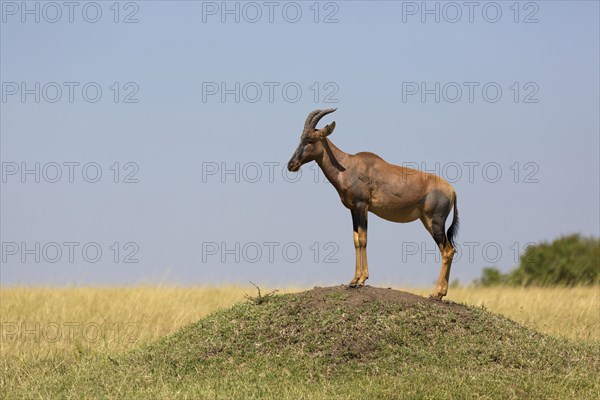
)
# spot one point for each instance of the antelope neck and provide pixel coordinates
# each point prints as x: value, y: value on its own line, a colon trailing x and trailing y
x: 331, y: 160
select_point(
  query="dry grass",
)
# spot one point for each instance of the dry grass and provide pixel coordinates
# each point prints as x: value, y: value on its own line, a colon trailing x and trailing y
x: 70, y: 343
x: 573, y: 313
x: 42, y: 323
x: 38, y: 322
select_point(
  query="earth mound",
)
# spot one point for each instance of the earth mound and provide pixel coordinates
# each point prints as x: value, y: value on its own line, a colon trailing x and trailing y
x: 336, y: 342
x: 332, y: 326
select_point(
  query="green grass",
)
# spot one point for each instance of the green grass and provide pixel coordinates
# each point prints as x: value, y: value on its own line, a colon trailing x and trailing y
x: 332, y: 344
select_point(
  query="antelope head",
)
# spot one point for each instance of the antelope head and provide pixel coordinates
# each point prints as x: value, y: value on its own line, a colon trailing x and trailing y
x: 310, y: 142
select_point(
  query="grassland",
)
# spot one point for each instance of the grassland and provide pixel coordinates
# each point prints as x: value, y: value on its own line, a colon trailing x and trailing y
x: 52, y: 338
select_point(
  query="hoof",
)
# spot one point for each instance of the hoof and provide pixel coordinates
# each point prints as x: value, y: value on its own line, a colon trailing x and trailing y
x: 436, y: 296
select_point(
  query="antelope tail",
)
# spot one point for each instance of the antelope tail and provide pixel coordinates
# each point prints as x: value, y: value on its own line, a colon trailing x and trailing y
x: 453, y: 230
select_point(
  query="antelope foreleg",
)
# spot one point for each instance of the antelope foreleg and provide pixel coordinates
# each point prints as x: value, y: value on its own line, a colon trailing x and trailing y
x: 364, y: 272
x: 359, y: 222
x: 357, y: 269
x: 362, y: 242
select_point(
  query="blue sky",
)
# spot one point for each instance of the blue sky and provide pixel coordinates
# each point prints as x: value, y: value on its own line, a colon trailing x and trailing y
x: 163, y: 123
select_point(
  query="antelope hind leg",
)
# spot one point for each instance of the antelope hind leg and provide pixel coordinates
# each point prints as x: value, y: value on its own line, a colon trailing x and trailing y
x: 441, y: 288
x: 435, y: 225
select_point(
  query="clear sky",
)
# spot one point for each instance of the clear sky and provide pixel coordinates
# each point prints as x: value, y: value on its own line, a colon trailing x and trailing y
x: 195, y: 115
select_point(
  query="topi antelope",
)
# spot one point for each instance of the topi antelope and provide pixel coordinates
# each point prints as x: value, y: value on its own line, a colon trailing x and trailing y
x: 365, y: 182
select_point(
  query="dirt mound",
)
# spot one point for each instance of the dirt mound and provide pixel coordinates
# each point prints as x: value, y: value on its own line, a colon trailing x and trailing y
x: 365, y: 325
x: 343, y: 295
x: 344, y: 323
x: 338, y: 343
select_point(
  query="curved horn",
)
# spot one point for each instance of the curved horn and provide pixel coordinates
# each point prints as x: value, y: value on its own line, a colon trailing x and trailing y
x: 319, y: 115
x: 309, y: 120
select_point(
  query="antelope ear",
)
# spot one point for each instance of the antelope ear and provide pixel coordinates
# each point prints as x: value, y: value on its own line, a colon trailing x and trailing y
x: 328, y: 130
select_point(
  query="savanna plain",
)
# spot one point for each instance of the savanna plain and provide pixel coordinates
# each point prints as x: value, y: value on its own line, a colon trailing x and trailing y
x: 229, y: 342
